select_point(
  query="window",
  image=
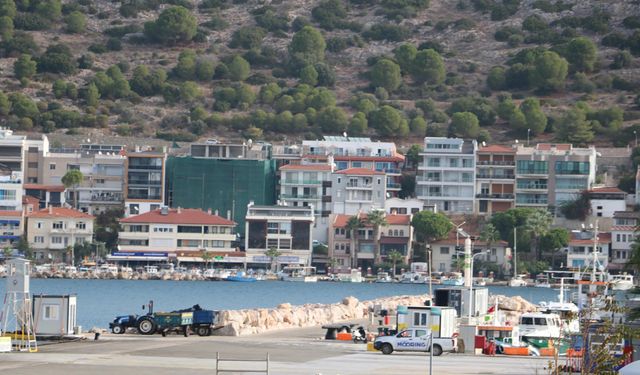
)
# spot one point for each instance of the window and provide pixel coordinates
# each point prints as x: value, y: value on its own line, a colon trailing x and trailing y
x: 139, y: 228
x: 52, y: 166
x: 38, y: 239
x: 444, y: 250
x: 39, y: 225
x: 81, y: 225
x: 58, y: 225
x: 188, y: 243
x: 390, y: 233
x: 572, y: 167
x: 419, y: 319
x: 217, y: 243
x: 532, y: 167
x: 7, y: 194
x: 73, y: 167
x: 401, y: 232
x: 50, y: 312
x: 33, y: 164
x: 56, y: 240
x: 189, y: 229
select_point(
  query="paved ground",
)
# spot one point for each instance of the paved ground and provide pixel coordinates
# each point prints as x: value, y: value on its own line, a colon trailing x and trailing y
x: 292, y: 352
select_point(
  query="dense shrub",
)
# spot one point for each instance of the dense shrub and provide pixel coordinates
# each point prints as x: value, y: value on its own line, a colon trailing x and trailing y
x: 247, y: 37
x: 387, y: 31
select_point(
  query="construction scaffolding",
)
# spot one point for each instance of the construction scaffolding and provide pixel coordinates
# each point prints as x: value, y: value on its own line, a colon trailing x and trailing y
x: 17, y: 311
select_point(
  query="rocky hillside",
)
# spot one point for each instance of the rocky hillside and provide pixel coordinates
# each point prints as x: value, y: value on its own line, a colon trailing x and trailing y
x: 493, y: 70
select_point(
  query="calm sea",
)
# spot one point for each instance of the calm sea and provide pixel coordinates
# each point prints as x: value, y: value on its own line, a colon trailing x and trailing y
x: 99, y: 301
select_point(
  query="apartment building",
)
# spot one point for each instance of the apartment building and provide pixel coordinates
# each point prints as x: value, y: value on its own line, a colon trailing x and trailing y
x: 357, y: 189
x: 406, y: 206
x: 623, y: 234
x: 444, y: 255
x: 606, y: 201
x: 308, y: 185
x: 359, y: 250
x: 580, y: 249
x: 446, y: 176
x: 285, y: 228
x: 144, y: 181
x: 102, y: 166
x: 46, y: 195
x: 357, y: 152
x: 548, y: 175
x: 495, y: 179
x: 11, y: 228
x: 223, y: 177
x: 52, y: 230
x: 177, y: 233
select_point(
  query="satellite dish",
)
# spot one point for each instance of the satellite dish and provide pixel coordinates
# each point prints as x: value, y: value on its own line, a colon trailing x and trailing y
x: 484, y: 144
x: 345, y: 134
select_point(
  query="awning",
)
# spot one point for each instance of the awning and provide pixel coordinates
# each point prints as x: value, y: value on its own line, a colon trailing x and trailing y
x: 134, y: 258
x: 394, y: 240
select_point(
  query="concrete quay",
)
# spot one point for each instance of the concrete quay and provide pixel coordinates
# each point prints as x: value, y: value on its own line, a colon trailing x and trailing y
x: 292, y: 352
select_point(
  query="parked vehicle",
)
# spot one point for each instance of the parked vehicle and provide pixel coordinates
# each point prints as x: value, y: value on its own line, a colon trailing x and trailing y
x: 414, y: 340
x: 200, y: 321
x: 359, y: 335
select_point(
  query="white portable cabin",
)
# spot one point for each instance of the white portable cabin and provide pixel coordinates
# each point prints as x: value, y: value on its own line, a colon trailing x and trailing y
x: 458, y: 298
x: 54, y: 315
x: 440, y: 320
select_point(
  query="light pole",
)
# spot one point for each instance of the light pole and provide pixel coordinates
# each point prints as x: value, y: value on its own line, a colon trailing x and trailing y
x: 635, y: 133
x: 471, y: 285
x: 528, y: 131
x: 458, y: 240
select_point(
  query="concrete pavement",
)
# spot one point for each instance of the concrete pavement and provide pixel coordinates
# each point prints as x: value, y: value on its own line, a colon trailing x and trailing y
x: 292, y: 352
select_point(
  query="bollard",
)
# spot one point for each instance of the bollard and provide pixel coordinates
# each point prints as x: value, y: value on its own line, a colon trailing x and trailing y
x: 97, y: 335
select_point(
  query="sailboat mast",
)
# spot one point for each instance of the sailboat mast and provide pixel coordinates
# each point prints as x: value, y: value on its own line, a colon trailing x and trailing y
x: 515, y: 249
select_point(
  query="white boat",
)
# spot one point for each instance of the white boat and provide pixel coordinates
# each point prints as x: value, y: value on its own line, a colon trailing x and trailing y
x: 479, y: 281
x: 209, y: 274
x: 299, y: 273
x: 383, y: 277
x: 454, y: 279
x: 621, y: 282
x: 539, y: 325
x: 108, y: 268
x: 355, y: 276
x: 518, y: 281
x: 568, y: 311
x: 542, y: 281
x: 151, y: 270
x: 413, y: 278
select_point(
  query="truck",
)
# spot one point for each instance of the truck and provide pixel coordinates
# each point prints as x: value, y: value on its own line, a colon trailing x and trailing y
x: 196, y: 319
x: 414, y: 340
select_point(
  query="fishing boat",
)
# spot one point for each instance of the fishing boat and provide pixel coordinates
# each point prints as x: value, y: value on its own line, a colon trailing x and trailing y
x: 621, y: 282
x: 518, y: 281
x: 413, y: 278
x: 568, y: 312
x: 299, y: 273
x: 454, y: 279
x: 544, y: 332
x: 542, y: 281
x: 383, y: 277
x: 241, y: 276
x: 353, y: 277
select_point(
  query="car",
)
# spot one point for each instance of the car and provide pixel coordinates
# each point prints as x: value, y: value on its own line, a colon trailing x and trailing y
x: 414, y: 340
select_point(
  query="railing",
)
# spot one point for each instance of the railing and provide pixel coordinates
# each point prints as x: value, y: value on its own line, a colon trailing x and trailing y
x: 495, y: 196
x: 302, y: 182
x: 428, y: 179
x: 503, y: 176
x: 531, y: 201
x: 299, y: 196
x: 137, y: 196
x: 356, y: 185
x: 496, y: 162
x: 532, y: 186
x: 393, y: 185
x: 388, y: 170
x: 229, y: 365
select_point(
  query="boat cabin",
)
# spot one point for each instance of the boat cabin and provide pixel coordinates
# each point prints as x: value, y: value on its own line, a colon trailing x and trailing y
x: 540, y: 325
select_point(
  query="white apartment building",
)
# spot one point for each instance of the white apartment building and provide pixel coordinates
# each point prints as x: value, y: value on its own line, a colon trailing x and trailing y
x: 180, y: 233
x: 357, y: 189
x: 606, y: 201
x: 284, y: 228
x: 406, y: 206
x: 11, y: 228
x: 623, y: 234
x: 446, y: 176
x: 548, y: 175
x: 51, y: 230
x: 308, y: 185
x: 580, y: 249
x: 357, y: 152
x: 102, y: 167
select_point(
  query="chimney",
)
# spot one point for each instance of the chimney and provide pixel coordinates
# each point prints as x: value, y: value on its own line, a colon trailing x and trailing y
x: 209, y: 211
x: 179, y: 210
x: 228, y: 214
x: 216, y: 212
x: 50, y: 210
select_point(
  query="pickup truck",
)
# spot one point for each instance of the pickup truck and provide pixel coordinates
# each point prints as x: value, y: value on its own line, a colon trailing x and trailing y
x: 414, y: 340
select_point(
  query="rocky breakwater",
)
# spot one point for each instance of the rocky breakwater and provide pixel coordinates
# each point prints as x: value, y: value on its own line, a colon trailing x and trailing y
x: 121, y: 275
x: 512, y: 307
x: 247, y: 322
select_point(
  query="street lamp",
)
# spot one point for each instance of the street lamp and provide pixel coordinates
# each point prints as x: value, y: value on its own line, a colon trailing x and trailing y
x: 471, y: 285
x: 528, y: 131
x: 635, y: 133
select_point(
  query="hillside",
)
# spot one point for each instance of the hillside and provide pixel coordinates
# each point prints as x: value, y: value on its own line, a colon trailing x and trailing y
x: 494, y: 70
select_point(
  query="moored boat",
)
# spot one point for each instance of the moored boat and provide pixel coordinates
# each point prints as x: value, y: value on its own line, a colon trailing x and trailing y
x: 621, y: 282
x: 240, y: 276
x: 299, y: 273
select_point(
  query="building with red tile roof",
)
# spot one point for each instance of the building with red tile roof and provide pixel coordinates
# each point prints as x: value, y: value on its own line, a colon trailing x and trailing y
x: 581, y: 245
x: 495, y: 179
x: 175, y: 232
x: 52, y: 230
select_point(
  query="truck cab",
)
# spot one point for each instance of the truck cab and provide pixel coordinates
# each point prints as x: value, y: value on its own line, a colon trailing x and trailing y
x: 414, y: 340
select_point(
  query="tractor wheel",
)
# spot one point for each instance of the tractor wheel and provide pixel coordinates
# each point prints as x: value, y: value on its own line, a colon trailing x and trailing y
x: 437, y: 350
x: 118, y: 330
x: 387, y: 349
x: 147, y: 326
x: 202, y: 331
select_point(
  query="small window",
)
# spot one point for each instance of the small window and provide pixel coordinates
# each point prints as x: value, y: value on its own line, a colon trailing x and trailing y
x: 58, y: 225
x: 81, y: 225
x: 38, y: 239
x: 50, y: 312
x: 39, y: 226
x: 52, y: 166
x: 379, y: 181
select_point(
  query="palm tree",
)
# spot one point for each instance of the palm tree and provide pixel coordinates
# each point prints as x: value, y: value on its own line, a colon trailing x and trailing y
x: 354, y: 223
x: 395, y: 256
x: 377, y: 219
x: 73, y: 178
x: 490, y: 235
x: 7, y: 253
x: 273, y: 254
x: 206, y: 256
x: 538, y: 224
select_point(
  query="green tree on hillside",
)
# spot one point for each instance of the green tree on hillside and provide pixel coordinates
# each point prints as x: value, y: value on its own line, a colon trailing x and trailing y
x: 535, y: 119
x: 574, y: 127
x: 428, y: 66
x: 307, y: 47
x: 581, y: 53
x: 76, y: 22
x: 332, y: 120
x: 389, y: 122
x: 8, y: 8
x: 550, y: 71
x: 24, y: 67
x: 6, y: 28
x: 386, y: 73
x: 464, y: 125
x: 405, y: 56
x: 174, y: 25
x: 239, y: 69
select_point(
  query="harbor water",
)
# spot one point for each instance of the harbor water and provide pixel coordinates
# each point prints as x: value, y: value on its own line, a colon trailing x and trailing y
x: 99, y: 301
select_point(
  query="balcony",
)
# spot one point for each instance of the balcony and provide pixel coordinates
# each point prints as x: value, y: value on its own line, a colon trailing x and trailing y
x: 393, y: 185
x: 299, y: 196
x: 389, y: 170
x: 532, y: 187
x: 428, y: 179
x: 540, y: 201
x: 326, y: 198
x: 495, y: 196
x: 359, y: 186
x: 498, y: 163
x: 495, y: 177
x: 301, y: 182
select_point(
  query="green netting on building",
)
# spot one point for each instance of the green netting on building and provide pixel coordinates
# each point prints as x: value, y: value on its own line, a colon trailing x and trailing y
x: 226, y: 185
